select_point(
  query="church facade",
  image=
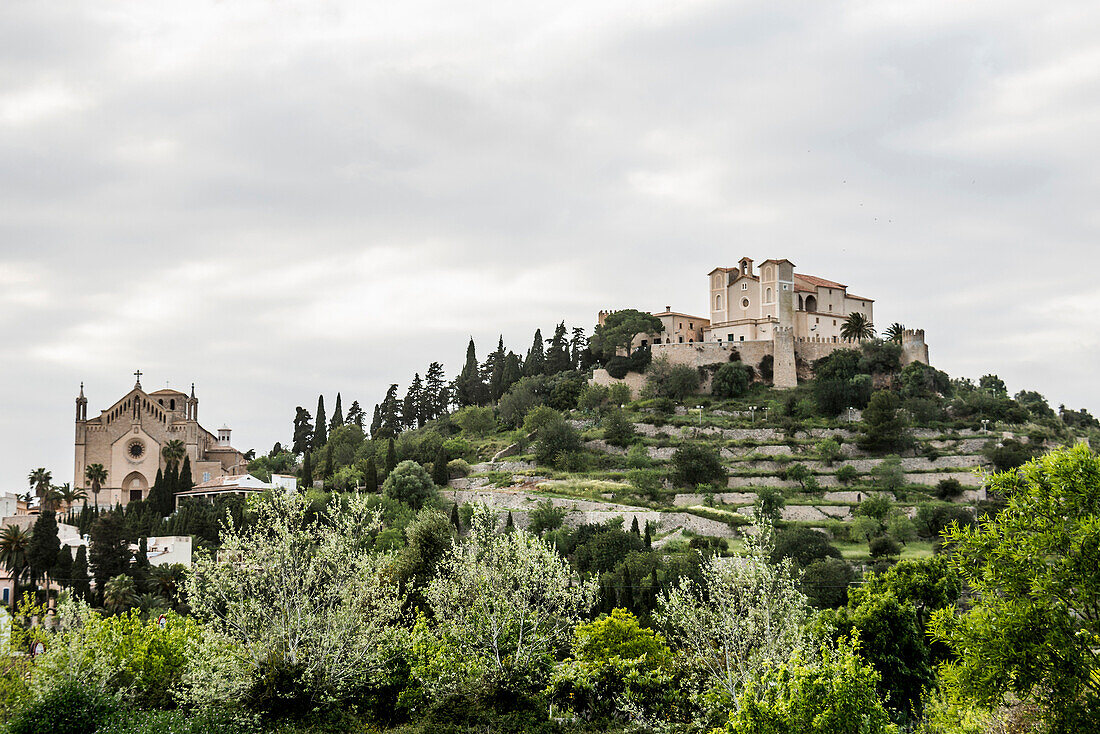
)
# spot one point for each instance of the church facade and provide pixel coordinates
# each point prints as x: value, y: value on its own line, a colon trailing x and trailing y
x: 748, y: 305
x: 128, y: 437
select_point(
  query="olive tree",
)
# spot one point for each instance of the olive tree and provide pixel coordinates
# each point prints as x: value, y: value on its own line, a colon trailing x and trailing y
x: 301, y: 591
x: 746, y: 614
x: 507, y: 599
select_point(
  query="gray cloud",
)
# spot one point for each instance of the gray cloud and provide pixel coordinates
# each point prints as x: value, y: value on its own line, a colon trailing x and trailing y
x: 276, y: 198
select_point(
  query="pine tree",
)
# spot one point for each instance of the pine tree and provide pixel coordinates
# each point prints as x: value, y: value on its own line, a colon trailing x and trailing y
x: 370, y: 476
x: 307, y: 472
x: 557, y: 357
x: 320, y: 430
x: 391, y: 457
x: 355, y: 416
x: 337, y: 415
x: 435, y: 391
x: 455, y: 520
x: 577, y: 345
x: 469, y: 388
x: 81, y: 585
x: 303, y: 431
x: 410, y: 408
x: 535, y: 363
x: 494, y: 368
x: 439, y: 468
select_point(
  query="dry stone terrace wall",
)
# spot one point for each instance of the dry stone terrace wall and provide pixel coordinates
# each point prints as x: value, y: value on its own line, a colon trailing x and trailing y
x: 520, y: 503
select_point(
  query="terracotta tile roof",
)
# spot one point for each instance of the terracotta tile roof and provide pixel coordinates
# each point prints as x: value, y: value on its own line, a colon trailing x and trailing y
x: 859, y: 298
x: 820, y: 282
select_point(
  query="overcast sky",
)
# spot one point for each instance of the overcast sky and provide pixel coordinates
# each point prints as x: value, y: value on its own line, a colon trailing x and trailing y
x: 275, y: 199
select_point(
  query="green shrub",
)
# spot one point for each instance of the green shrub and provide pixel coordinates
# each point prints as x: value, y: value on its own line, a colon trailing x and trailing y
x: 666, y: 380
x: 731, y: 380
x: 557, y: 441
x: 948, y: 488
x: 884, y: 546
x: 475, y: 421
x: 697, y: 464
x: 540, y: 416
x: 847, y: 474
x: 457, y: 468
x: 177, y: 722
x: 638, y: 457
x: 69, y: 709
x: 617, y: 430
x: 646, y: 481
x: 409, y: 483
x: 829, y: 451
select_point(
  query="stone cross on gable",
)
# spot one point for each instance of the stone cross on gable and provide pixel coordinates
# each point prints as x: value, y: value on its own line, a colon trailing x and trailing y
x: 137, y: 374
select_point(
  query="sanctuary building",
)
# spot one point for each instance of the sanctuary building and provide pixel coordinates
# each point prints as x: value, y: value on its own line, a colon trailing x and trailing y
x: 127, y: 439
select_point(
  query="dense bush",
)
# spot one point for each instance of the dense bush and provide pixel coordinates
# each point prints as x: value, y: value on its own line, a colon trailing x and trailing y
x: 948, y: 488
x: 825, y: 582
x: 617, y: 429
x: 410, y: 483
x: 557, y: 441
x: 68, y: 709
x: 732, y: 380
x: 666, y: 380
x: 803, y: 546
x: 695, y: 464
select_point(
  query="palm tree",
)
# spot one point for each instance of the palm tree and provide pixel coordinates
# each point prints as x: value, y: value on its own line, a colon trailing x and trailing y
x: 894, y: 331
x: 167, y: 582
x: 857, y: 327
x: 173, y: 452
x: 97, y: 475
x: 70, y: 494
x: 151, y: 605
x: 119, y: 594
x: 39, y: 480
x: 14, y: 544
x: 52, y: 499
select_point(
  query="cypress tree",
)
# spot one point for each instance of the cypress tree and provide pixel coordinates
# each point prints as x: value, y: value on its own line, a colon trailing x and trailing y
x: 81, y: 587
x: 62, y: 571
x: 44, y: 546
x: 307, y: 472
x: 469, y: 388
x: 648, y: 536
x: 186, y: 479
x: 535, y: 364
x: 376, y: 422
x: 509, y: 524
x: 327, y: 471
x: 109, y: 554
x: 634, y: 526
x: 391, y: 457
x: 320, y: 431
x: 455, y: 520
x: 495, y: 369
x: 337, y: 415
x: 140, y: 569
x: 370, y: 475
x: 626, y: 595
x: 439, y: 468
x: 511, y: 372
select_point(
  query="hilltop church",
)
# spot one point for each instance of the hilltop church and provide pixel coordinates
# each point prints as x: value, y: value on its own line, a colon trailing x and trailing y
x: 127, y: 439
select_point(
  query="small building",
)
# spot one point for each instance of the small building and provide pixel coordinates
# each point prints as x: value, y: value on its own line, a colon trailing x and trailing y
x: 167, y: 550
x: 289, y: 482
x: 243, y: 485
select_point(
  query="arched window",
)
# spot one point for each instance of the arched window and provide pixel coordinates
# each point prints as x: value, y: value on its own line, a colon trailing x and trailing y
x: 768, y: 273
x: 811, y: 303
x: 801, y: 306
x: 172, y: 403
x: 768, y: 296
x: 718, y: 302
